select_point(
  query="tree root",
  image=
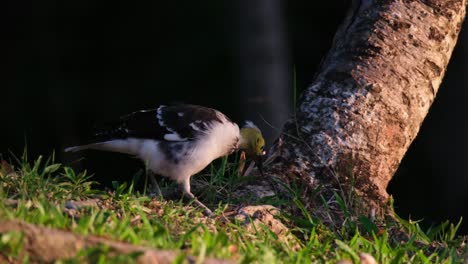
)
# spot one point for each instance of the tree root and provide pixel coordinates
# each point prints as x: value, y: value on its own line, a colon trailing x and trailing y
x: 44, y: 244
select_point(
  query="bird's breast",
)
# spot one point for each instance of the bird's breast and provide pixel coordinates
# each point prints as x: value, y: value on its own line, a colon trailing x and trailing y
x: 179, y: 160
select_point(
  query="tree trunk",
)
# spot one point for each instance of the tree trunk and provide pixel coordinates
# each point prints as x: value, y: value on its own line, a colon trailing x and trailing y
x: 357, y: 119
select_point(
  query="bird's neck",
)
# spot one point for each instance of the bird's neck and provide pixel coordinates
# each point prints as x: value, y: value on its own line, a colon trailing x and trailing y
x: 243, y: 141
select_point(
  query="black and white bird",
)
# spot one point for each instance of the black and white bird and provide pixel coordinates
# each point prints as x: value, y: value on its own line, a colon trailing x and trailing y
x: 178, y: 141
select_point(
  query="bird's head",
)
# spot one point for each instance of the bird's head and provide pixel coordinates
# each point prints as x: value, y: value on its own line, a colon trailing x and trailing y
x: 252, y: 143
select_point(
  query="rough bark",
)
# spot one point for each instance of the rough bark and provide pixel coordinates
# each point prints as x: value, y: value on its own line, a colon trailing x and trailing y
x: 373, y: 90
x: 46, y: 245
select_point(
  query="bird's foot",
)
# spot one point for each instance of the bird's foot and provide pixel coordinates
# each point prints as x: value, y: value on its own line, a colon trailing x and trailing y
x: 186, y: 190
x: 206, y: 211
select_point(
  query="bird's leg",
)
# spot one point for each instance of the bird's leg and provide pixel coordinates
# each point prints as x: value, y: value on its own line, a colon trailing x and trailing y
x: 186, y: 188
x: 156, y: 191
x: 242, y: 161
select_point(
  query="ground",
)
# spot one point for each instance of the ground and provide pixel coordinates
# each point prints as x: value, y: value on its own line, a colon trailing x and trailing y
x: 43, y: 202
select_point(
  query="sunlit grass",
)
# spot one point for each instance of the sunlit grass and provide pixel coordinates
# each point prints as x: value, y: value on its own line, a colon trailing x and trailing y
x: 39, y: 192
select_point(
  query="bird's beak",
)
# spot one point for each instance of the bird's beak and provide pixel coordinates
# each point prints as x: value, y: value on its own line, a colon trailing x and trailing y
x: 259, y: 162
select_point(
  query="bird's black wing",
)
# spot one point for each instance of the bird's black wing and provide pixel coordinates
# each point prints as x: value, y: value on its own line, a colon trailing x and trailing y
x: 170, y: 123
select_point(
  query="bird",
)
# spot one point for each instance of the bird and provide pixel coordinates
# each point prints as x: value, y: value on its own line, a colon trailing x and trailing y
x: 178, y: 141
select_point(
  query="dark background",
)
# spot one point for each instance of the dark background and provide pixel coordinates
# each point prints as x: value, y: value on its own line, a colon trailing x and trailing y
x: 69, y: 65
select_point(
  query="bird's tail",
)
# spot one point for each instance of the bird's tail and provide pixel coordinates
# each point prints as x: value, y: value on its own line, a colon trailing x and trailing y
x: 128, y: 146
x: 80, y: 148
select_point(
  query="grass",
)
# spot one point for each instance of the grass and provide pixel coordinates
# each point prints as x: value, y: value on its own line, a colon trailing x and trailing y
x: 42, y: 188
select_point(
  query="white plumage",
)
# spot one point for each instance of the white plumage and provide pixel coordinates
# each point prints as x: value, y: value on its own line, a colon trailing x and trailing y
x: 173, y: 141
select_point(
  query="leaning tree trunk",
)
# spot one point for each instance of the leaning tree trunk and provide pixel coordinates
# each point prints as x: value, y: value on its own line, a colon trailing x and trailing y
x: 367, y: 102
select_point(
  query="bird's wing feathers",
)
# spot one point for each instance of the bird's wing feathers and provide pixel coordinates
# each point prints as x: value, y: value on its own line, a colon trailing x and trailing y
x: 168, y: 123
